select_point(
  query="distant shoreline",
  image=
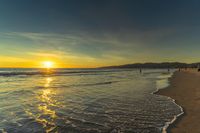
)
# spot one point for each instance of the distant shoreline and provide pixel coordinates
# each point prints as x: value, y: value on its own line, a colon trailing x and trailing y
x: 184, y: 89
x: 163, y: 65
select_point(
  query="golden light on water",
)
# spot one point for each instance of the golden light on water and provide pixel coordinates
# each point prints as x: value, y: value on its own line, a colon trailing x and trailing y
x: 46, y: 108
x: 46, y: 114
x: 48, y: 81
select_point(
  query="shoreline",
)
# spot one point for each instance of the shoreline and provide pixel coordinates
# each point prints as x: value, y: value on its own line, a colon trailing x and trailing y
x: 178, y: 117
x: 184, y: 90
x: 169, y: 125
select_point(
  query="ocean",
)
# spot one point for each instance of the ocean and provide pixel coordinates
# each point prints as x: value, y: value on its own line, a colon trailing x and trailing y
x: 85, y: 101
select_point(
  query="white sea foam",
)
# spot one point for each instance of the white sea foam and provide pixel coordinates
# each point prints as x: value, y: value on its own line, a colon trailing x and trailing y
x: 162, y: 83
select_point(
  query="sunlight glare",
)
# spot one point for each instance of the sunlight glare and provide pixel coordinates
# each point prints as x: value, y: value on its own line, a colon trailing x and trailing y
x: 48, y: 64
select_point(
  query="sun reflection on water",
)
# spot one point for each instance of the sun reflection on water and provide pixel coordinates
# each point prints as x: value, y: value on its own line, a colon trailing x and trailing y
x: 48, y: 81
x: 46, y: 114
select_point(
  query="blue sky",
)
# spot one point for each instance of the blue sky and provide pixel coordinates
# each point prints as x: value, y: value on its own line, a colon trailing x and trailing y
x: 99, y: 32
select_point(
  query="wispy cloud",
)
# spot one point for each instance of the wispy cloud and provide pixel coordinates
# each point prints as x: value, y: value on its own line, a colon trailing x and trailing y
x: 84, y: 47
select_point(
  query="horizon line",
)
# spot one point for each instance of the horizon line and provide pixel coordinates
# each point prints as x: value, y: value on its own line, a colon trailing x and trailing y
x: 95, y: 67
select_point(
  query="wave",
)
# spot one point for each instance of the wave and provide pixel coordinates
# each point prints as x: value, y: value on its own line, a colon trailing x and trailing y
x: 21, y: 92
x: 55, y: 72
x: 79, y: 85
x: 100, y: 83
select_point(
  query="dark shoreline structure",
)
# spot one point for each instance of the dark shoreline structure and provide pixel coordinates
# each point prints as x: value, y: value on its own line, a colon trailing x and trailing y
x: 157, y: 65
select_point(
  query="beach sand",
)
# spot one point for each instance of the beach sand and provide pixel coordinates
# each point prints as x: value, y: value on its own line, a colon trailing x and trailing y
x: 185, y: 89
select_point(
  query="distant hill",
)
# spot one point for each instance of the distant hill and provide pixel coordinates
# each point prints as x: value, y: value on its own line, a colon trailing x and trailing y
x: 156, y: 65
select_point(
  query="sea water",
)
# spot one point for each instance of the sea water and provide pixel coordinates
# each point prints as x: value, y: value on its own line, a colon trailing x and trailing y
x: 84, y: 101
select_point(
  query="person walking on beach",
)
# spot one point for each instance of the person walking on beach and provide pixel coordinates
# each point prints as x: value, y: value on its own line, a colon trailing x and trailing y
x: 140, y: 70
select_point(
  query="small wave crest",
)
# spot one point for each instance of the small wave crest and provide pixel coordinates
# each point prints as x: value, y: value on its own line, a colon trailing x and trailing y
x: 56, y: 72
x: 21, y: 92
x: 79, y: 85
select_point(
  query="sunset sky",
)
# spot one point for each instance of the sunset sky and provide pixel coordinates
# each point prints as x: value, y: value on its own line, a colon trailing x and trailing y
x: 92, y: 33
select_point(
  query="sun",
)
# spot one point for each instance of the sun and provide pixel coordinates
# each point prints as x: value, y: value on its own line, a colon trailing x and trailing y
x: 48, y: 64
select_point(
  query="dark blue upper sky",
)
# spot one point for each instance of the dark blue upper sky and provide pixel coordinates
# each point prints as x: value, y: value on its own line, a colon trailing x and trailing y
x: 94, y: 15
x: 122, y: 30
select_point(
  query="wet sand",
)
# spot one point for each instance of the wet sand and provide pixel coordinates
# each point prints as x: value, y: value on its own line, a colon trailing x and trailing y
x: 185, y: 89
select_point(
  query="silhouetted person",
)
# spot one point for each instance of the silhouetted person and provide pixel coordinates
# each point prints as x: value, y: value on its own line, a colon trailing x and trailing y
x: 140, y: 70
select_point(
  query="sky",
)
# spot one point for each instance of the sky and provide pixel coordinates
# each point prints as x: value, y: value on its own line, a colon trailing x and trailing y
x: 93, y: 33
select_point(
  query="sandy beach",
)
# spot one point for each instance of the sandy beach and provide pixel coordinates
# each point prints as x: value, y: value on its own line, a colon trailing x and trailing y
x: 185, y: 89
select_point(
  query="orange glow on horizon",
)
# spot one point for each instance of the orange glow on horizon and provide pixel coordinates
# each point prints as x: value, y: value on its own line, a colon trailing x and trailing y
x: 48, y: 63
